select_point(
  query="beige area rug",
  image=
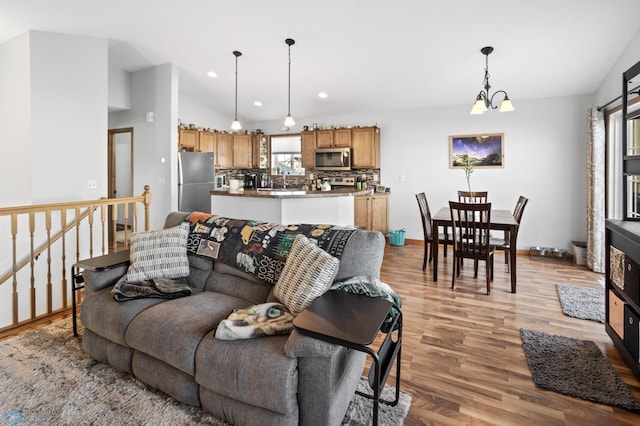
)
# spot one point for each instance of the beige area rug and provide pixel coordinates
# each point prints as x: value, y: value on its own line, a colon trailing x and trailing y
x: 46, y: 378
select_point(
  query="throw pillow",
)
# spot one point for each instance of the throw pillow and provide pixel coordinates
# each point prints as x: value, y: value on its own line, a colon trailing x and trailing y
x: 158, y: 254
x: 266, y: 319
x: 306, y: 275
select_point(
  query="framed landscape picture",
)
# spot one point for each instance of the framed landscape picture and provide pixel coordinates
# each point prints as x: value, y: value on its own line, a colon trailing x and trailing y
x: 483, y: 150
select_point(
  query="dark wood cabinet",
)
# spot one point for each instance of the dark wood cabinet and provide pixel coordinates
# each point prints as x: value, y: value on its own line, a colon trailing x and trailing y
x: 622, y: 304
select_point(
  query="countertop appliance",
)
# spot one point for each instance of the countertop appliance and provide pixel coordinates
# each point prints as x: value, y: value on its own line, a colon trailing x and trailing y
x: 196, y: 178
x: 252, y: 181
x: 221, y: 182
x: 333, y: 159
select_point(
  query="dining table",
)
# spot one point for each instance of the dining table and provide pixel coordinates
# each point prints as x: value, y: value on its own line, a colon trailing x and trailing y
x: 501, y: 220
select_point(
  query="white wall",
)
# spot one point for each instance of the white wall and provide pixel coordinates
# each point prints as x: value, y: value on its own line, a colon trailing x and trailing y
x: 545, y: 160
x: 69, y: 116
x: 119, y: 89
x: 15, y: 123
x: 54, y: 119
x: 612, y: 85
x: 190, y: 111
x: 155, y: 144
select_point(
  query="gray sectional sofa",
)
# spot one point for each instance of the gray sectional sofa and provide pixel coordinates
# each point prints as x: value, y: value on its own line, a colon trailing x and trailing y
x: 170, y: 345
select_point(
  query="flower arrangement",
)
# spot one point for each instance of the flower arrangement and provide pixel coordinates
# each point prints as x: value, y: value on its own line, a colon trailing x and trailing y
x: 467, y: 163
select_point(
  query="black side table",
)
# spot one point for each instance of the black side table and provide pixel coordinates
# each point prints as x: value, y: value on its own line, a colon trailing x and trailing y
x: 98, y: 263
x: 353, y: 321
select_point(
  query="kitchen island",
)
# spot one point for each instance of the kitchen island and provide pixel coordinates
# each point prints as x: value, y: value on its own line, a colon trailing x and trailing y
x: 286, y: 206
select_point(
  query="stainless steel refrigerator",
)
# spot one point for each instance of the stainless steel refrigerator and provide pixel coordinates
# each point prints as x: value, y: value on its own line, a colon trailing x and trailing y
x: 196, y: 177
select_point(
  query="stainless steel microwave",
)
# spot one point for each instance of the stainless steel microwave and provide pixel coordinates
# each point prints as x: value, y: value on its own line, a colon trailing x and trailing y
x: 333, y: 159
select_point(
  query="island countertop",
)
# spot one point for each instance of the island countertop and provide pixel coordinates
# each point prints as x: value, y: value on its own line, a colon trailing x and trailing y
x: 292, y: 193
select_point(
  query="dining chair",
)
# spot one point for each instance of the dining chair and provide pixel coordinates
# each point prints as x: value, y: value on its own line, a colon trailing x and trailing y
x: 503, y: 243
x: 471, y: 238
x: 472, y: 196
x: 427, y: 230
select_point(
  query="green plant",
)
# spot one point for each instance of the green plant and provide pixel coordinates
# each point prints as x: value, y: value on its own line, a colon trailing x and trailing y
x: 467, y: 163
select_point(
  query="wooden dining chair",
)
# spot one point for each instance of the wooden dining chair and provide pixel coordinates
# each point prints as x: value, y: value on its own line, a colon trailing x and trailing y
x: 504, y: 242
x: 471, y: 238
x: 473, y: 196
x: 427, y: 230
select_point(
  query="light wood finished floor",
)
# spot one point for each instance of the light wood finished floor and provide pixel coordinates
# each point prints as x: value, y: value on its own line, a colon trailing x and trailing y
x: 462, y: 356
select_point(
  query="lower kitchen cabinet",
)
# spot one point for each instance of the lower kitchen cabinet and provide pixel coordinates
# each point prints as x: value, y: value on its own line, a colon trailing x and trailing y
x: 372, y: 212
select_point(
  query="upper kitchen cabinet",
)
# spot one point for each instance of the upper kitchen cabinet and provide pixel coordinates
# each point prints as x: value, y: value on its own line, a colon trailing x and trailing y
x: 366, y: 148
x: 207, y: 142
x: 242, y: 151
x: 224, y: 151
x: 188, y: 140
x: 308, y: 142
x: 333, y: 138
x: 260, y: 151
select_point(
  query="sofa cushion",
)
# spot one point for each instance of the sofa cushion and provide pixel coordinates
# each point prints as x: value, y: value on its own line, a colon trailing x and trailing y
x: 173, y: 331
x: 307, y: 274
x: 362, y: 255
x: 110, y: 319
x: 265, y: 319
x: 159, y: 254
x: 256, y: 371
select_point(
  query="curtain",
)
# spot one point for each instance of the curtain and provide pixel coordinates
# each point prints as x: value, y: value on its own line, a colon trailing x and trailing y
x: 595, y: 190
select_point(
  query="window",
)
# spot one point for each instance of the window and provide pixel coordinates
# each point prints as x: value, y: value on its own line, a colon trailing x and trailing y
x: 286, y: 155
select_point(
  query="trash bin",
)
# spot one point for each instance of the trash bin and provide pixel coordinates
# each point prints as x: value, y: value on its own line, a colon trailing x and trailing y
x: 396, y: 238
x: 579, y: 252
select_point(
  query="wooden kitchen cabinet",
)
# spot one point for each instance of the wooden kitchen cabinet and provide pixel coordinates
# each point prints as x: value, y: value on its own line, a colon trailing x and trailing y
x: 324, y: 138
x: 224, y: 151
x: 366, y: 148
x: 207, y: 142
x: 342, y: 138
x: 372, y: 212
x: 188, y: 140
x: 242, y: 151
x: 308, y: 142
x: 260, y: 151
x: 338, y: 138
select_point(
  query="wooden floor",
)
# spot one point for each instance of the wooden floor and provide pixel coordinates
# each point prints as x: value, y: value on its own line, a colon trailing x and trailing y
x: 462, y: 357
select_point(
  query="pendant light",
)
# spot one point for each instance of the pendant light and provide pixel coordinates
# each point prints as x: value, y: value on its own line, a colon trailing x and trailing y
x: 484, y: 100
x: 236, y: 124
x: 288, y: 120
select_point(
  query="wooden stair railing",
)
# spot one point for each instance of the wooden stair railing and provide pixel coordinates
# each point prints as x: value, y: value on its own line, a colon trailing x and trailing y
x: 42, y: 289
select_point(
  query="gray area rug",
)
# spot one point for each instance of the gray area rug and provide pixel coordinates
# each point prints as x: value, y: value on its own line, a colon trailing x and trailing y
x: 574, y: 367
x: 582, y: 302
x: 46, y: 378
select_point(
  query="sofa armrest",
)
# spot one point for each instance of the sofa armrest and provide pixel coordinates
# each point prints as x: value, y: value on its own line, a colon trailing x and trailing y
x: 300, y: 346
x: 97, y: 280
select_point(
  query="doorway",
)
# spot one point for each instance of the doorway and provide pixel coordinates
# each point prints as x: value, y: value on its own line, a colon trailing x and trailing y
x: 120, y: 180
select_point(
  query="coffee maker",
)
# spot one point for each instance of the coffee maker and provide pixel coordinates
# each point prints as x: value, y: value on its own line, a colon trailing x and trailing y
x: 252, y: 181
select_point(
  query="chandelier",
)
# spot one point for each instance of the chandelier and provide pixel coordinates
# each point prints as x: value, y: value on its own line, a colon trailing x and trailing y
x: 484, y: 100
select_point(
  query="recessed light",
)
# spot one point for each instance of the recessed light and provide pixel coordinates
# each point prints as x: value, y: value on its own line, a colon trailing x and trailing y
x: 212, y: 74
x: 257, y: 103
x: 323, y: 95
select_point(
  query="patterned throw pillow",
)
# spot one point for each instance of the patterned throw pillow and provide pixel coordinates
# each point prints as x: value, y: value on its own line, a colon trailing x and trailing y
x: 307, y: 274
x: 159, y: 254
x: 266, y: 319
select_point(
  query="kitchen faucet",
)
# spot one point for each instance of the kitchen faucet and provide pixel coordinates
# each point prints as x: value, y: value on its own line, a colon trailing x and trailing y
x: 284, y: 181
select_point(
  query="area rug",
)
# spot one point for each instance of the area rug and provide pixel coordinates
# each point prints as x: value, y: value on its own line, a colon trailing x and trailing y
x: 46, y: 378
x: 574, y: 367
x: 582, y: 302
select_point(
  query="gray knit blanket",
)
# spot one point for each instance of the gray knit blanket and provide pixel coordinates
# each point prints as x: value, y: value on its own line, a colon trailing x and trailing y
x: 159, y: 288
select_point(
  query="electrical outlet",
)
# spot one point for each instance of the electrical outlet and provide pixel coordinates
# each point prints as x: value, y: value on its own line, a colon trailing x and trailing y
x: 92, y: 184
x: 162, y: 181
x: 403, y: 178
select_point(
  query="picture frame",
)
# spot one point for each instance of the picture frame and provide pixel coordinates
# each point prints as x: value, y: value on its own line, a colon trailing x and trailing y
x: 485, y: 150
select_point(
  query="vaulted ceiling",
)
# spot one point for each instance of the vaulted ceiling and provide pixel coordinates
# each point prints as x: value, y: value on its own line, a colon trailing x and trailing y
x: 367, y: 55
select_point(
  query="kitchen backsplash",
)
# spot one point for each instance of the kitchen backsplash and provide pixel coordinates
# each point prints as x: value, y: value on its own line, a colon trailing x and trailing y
x: 298, y: 181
